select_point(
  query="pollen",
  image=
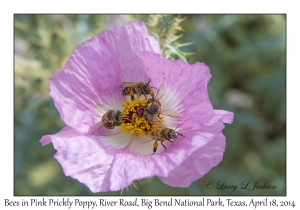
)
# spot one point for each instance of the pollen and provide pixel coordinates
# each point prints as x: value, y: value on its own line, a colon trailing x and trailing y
x: 133, y: 118
x: 151, y: 93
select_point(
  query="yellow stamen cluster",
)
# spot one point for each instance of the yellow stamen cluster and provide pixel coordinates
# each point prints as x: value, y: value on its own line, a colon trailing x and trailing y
x: 133, y: 120
x: 131, y: 106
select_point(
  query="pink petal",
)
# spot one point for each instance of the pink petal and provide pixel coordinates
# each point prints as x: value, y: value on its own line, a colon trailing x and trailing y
x: 198, y: 164
x: 128, y: 166
x: 227, y: 117
x: 102, y: 167
x: 128, y: 42
x: 84, y: 157
x: 215, y: 124
x: 203, y: 158
x: 188, y: 83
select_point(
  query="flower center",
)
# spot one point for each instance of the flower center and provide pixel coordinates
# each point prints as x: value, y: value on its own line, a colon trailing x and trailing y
x: 133, y: 118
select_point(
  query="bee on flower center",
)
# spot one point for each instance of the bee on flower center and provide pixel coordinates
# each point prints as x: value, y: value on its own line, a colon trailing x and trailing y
x: 134, y: 120
x: 110, y: 118
x: 140, y: 116
x: 153, y: 110
x: 139, y: 88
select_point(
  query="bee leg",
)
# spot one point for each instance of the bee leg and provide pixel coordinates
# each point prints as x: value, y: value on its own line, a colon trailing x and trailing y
x: 170, y: 141
x: 155, y: 145
x: 180, y: 134
x: 111, y: 126
x: 163, y: 145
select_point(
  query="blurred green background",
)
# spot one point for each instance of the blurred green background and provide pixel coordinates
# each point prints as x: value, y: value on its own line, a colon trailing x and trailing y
x: 247, y: 58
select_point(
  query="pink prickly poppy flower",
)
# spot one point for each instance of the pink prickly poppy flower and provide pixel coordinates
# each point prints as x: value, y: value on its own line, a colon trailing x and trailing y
x: 111, y: 159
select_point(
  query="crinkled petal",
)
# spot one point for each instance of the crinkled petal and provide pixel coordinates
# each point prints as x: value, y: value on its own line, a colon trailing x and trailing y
x: 128, y: 42
x: 204, y: 158
x: 186, y: 87
x: 128, y: 166
x: 198, y: 164
x: 215, y: 124
x: 84, y: 158
x: 102, y: 167
x: 95, y: 70
x: 89, y: 77
x: 155, y: 45
x: 227, y: 117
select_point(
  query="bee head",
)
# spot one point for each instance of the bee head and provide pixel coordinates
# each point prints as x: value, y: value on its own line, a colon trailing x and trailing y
x: 172, y: 134
x: 124, y: 92
x: 154, y: 108
x: 119, y: 115
x: 146, y: 88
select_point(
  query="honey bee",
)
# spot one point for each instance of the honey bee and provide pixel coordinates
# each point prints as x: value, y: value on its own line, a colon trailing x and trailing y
x: 110, y: 118
x: 139, y: 88
x: 153, y: 108
x: 164, y: 134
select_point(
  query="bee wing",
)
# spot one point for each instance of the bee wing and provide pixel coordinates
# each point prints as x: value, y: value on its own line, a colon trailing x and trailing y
x: 97, y: 127
x: 170, y: 113
x: 99, y: 111
x: 160, y: 92
x: 156, y: 121
x: 126, y: 84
